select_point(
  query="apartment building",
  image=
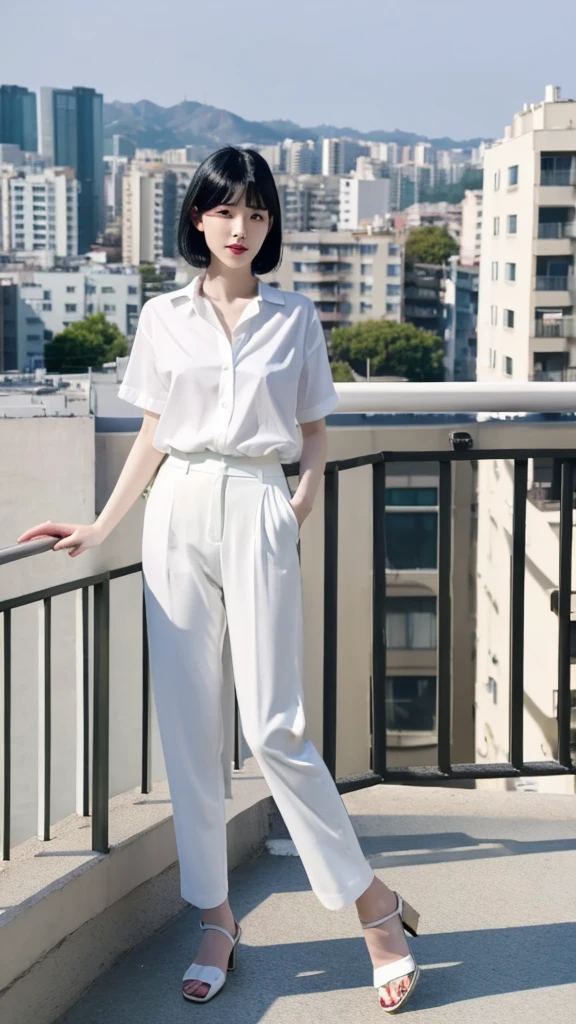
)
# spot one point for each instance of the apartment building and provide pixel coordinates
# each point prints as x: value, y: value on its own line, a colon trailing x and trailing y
x: 39, y: 211
x: 525, y: 331
x: 350, y: 275
x: 149, y: 202
x: 361, y: 201
x: 309, y: 202
x: 49, y: 301
x: 461, y: 317
x: 471, y: 228
x: 526, y: 326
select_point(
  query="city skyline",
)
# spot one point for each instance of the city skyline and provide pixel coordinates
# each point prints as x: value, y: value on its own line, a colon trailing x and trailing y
x: 442, y: 75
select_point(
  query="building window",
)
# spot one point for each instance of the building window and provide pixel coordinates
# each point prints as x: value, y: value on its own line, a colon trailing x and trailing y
x: 132, y: 289
x: 508, y: 318
x: 393, y: 249
x: 411, y: 703
x: 494, y: 271
x: 392, y: 307
x: 107, y: 290
x: 366, y: 268
x: 47, y: 307
x: 90, y: 289
x: 393, y: 289
x: 510, y: 271
x: 109, y: 309
x: 512, y: 224
x: 513, y: 175
x: 508, y: 366
x: 70, y: 307
x: 90, y: 308
x: 494, y: 316
x: 492, y: 358
x: 496, y: 180
x: 393, y: 270
x: 411, y: 623
x: 365, y: 287
x: 47, y: 295
x: 367, y: 250
x: 411, y: 528
x: 70, y: 288
x: 365, y: 307
x: 496, y: 225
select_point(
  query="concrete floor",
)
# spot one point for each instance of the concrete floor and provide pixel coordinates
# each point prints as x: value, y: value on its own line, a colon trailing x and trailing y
x: 493, y: 875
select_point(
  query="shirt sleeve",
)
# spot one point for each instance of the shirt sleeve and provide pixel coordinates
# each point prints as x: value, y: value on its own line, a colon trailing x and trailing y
x: 141, y: 384
x: 317, y: 396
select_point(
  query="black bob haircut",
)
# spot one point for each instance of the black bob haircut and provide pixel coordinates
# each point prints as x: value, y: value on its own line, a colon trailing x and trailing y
x: 217, y: 181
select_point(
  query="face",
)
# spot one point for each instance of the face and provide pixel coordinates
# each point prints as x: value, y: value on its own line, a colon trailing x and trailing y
x: 234, y: 233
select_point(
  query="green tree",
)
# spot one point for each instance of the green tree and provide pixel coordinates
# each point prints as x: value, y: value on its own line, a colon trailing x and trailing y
x: 342, y: 372
x: 395, y: 350
x: 430, y: 245
x: 90, y: 342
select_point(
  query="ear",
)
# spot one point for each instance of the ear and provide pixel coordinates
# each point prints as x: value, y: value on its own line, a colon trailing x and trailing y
x: 196, y: 219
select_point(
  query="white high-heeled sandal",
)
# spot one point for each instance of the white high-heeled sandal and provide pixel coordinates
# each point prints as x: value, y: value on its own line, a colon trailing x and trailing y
x: 212, y: 976
x: 404, y: 967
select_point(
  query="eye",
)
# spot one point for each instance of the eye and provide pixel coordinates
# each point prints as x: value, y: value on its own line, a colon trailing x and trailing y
x: 259, y: 215
x: 224, y: 211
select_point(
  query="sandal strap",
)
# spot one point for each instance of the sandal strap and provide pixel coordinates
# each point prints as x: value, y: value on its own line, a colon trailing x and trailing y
x: 206, y: 974
x: 394, y: 971
x: 217, y: 928
x: 375, y: 924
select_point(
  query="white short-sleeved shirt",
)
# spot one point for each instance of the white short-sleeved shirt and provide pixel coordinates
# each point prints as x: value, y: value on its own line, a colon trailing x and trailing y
x: 242, y: 398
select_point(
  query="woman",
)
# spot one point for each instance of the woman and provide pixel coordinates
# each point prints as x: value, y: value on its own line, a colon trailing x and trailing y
x: 225, y: 369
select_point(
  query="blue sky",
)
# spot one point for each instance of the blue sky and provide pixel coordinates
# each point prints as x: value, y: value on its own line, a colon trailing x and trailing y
x: 438, y: 67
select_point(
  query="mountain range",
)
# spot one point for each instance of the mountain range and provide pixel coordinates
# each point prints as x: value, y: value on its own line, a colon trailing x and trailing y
x: 147, y: 125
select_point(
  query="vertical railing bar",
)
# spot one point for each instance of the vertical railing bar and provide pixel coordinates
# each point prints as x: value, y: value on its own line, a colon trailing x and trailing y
x: 444, y: 646
x: 330, y: 695
x: 564, y: 612
x: 82, y: 703
x: 517, y: 593
x: 6, y: 732
x: 101, y: 740
x: 379, y: 684
x: 44, y: 716
x: 146, y: 781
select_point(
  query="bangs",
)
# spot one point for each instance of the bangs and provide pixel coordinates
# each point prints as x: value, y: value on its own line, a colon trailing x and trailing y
x: 230, y: 179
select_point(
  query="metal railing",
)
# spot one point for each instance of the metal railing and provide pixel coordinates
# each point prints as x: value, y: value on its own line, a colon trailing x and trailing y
x: 357, y: 398
x: 556, y: 229
x: 563, y: 327
x: 560, y: 177
x: 551, y: 283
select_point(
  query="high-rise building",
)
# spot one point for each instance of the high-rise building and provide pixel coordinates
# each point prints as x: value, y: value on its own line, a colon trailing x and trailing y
x: 148, y: 213
x: 39, y: 212
x: 471, y: 230
x: 361, y: 201
x: 71, y: 132
x: 461, y: 310
x: 18, y: 117
x: 526, y: 324
x: 309, y: 202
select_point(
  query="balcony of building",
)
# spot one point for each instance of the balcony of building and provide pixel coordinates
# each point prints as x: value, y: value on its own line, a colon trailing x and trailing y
x: 438, y: 668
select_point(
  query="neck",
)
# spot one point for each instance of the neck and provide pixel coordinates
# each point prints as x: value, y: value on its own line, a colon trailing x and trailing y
x: 225, y: 284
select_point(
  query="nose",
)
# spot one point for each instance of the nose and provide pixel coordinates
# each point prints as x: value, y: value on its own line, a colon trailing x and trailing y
x: 239, y: 228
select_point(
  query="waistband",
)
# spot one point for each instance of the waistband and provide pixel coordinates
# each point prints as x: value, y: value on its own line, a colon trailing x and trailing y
x: 259, y: 466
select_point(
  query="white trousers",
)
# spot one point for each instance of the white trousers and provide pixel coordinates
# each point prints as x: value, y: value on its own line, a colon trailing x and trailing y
x: 220, y: 554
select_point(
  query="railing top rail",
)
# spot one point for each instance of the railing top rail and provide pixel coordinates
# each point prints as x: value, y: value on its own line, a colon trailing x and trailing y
x: 447, y: 397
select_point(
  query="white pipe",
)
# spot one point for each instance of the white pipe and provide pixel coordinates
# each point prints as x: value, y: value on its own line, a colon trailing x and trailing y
x: 477, y: 396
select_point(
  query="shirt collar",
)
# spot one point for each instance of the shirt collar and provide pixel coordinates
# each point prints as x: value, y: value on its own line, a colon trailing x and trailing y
x: 266, y: 292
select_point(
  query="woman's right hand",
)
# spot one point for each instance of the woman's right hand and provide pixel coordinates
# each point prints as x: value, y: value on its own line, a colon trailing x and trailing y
x: 77, y: 538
